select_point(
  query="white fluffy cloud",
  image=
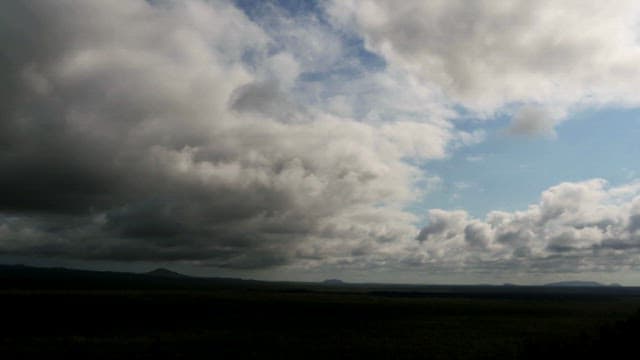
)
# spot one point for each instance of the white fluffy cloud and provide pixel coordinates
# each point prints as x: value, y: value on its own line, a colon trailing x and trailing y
x: 583, y: 226
x: 499, y: 55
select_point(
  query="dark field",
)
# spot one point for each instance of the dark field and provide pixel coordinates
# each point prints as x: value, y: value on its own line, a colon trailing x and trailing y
x: 87, y: 315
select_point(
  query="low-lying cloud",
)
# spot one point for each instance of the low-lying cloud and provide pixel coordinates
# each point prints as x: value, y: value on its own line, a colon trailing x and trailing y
x: 580, y: 226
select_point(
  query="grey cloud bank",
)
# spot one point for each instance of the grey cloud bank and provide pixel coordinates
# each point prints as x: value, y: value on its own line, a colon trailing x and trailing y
x: 138, y: 132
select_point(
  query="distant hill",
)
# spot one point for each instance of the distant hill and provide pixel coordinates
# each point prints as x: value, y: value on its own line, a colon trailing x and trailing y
x: 14, y: 277
x: 575, y: 284
x: 28, y: 277
x: 166, y: 273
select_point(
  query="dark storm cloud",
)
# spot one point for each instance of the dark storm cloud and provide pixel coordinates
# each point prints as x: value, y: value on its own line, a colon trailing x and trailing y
x: 79, y: 92
x: 133, y: 131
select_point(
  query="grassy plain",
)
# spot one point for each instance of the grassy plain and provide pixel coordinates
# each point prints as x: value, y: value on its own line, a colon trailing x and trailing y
x: 173, y: 318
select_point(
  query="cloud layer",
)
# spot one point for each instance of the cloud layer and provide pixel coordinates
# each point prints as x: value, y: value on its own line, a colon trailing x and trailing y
x: 172, y: 131
x: 498, y: 55
x: 575, y: 227
x: 192, y: 131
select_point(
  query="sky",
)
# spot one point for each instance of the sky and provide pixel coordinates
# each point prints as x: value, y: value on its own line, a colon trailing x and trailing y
x: 429, y: 142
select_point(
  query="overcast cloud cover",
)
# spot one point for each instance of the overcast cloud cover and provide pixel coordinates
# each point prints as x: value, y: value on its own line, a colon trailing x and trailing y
x: 197, y: 132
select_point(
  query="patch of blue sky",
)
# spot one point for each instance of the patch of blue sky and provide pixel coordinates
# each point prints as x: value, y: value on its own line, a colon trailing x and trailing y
x: 356, y: 58
x: 255, y: 8
x: 508, y: 173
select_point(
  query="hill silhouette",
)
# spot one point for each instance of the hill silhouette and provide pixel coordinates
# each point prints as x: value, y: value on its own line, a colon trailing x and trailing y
x: 162, y: 272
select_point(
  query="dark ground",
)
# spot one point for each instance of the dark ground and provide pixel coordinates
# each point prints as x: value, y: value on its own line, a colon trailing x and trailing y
x: 48, y: 313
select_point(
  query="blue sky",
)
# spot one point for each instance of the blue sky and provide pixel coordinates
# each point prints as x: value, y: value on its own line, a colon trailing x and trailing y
x: 508, y: 173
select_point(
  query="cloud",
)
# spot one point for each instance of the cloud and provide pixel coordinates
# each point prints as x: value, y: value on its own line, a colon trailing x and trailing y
x: 443, y: 224
x: 187, y: 131
x: 581, y: 226
x: 532, y: 121
x: 178, y: 131
x: 509, y: 56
